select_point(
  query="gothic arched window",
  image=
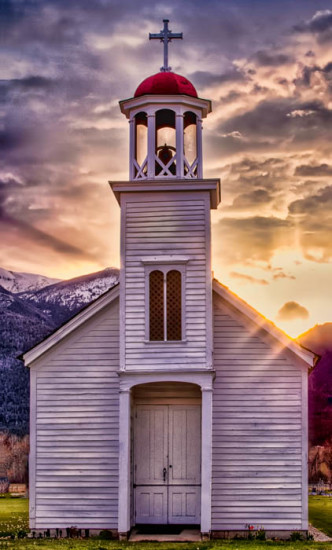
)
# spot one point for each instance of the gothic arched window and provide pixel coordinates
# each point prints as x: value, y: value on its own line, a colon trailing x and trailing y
x: 156, y: 305
x: 165, y: 305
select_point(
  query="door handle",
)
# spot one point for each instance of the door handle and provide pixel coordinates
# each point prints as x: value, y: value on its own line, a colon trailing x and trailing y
x: 164, y: 474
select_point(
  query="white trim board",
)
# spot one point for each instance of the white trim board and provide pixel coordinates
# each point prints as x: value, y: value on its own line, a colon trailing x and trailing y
x: 81, y: 317
x: 164, y: 184
x: 305, y: 355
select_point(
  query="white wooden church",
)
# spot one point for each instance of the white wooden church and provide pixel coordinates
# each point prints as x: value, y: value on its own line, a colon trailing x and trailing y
x: 168, y: 400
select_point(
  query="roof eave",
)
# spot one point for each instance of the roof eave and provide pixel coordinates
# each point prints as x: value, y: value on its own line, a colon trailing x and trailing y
x: 64, y: 330
x: 307, y: 356
x: 126, y: 105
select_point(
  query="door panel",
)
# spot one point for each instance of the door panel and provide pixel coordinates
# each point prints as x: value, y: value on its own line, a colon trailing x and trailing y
x: 150, y: 444
x: 184, y: 504
x: 184, y: 445
x: 167, y: 448
x: 151, y: 504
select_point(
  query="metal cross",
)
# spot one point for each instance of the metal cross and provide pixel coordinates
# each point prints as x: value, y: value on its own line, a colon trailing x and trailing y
x: 165, y: 36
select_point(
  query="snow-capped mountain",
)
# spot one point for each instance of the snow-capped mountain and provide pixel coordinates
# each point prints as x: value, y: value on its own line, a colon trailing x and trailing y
x: 61, y: 300
x: 26, y: 318
x: 21, y: 282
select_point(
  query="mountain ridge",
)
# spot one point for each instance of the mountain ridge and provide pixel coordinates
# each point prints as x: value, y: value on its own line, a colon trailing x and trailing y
x: 16, y: 281
x: 26, y: 318
x: 319, y: 340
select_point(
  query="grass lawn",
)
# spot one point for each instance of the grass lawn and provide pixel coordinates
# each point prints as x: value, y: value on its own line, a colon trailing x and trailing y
x: 14, y: 514
x: 320, y: 513
x: 14, y: 519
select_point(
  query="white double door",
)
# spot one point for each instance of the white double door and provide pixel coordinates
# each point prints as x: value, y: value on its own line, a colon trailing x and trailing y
x: 167, y: 464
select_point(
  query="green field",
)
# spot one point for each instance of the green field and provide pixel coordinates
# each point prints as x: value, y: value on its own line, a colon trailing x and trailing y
x: 13, y: 516
x: 320, y: 513
x: 14, y: 523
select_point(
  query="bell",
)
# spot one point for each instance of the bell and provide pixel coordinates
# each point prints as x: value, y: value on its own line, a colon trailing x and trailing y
x: 165, y: 154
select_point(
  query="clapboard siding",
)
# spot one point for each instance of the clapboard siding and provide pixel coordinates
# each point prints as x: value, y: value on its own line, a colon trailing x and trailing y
x: 166, y: 224
x: 257, y: 430
x: 77, y: 424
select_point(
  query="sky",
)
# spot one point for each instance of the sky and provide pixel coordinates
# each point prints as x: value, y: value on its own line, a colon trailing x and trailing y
x: 266, y: 66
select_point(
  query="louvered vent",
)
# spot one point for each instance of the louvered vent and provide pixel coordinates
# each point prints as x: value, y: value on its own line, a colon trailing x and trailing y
x: 156, y: 305
x: 173, y: 292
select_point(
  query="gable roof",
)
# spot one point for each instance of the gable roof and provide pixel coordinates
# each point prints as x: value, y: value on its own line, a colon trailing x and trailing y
x: 309, y: 357
x: 76, y: 321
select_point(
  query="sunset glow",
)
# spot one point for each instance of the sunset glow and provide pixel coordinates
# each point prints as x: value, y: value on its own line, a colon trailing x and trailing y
x: 267, y: 68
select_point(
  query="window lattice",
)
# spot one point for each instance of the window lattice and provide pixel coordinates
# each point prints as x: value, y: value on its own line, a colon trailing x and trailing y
x: 173, y: 292
x: 156, y: 305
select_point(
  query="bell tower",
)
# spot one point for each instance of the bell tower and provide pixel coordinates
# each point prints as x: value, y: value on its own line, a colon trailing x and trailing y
x: 165, y: 117
x: 165, y: 275
x: 165, y: 278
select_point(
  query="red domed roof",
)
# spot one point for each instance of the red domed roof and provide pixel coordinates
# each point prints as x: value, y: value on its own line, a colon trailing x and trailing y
x: 166, y: 83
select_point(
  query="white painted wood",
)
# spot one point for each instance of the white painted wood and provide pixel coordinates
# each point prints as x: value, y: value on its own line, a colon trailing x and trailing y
x: 184, y: 504
x: 167, y: 463
x: 170, y: 242
x: 122, y: 294
x: 184, y: 445
x: 124, y: 464
x: 151, y: 444
x: 179, y: 145
x: 304, y: 445
x: 207, y: 424
x: 184, y: 464
x: 71, y: 325
x: 132, y: 147
x: 179, y: 105
x: 150, y: 103
x: 208, y: 284
x: 32, y: 451
x: 150, y: 462
x: 199, y: 141
x: 151, y: 504
x: 167, y: 184
x: 258, y: 427
x: 75, y: 426
x: 151, y: 144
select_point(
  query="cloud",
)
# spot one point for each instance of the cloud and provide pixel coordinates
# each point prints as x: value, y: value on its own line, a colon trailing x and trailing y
x: 315, y: 78
x: 271, y: 59
x: 254, y: 238
x: 31, y: 82
x: 256, y: 198
x: 314, y: 170
x: 282, y: 275
x: 254, y: 181
x: 269, y: 120
x: 319, y: 24
x: 291, y: 311
x: 300, y: 113
x: 235, y: 134
x: 312, y: 216
x: 39, y: 237
x: 231, y: 97
x: 248, y: 278
x: 204, y: 78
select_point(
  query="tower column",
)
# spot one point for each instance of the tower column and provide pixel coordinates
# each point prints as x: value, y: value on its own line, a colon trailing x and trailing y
x: 151, y: 145
x: 124, y: 463
x: 206, y: 460
x: 199, y: 128
x: 132, y: 147
x: 179, y: 146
